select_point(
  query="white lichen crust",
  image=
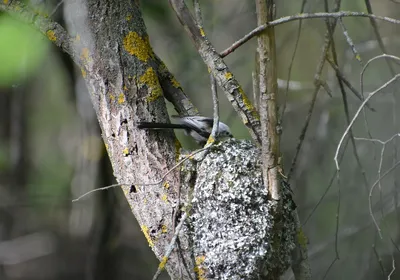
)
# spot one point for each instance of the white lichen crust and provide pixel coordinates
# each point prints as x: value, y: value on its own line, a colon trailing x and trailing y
x: 231, y: 216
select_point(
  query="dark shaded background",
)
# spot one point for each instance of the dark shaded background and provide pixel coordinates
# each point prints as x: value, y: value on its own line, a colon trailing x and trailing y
x: 51, y: 150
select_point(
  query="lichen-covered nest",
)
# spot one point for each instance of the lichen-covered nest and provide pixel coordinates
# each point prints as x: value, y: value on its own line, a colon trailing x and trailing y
x: 231, y: 216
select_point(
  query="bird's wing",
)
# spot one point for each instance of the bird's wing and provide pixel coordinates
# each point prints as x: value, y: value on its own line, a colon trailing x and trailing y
x: 199, y: 124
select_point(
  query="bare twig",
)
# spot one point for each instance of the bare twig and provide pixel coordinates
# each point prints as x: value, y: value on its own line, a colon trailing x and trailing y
x: 330, y: 30
x: 56, y: 8
x: 395, y: 91
x: 172, y: 90
x: 256, y: 87
x: 347, y: 83
x: 334, y: 175
x: 393, y: 268
x: 220, y: 70
x: 350, y: 41
x: 214, y: 131
x: 282, y: 20
x: 371, y: 94
x: 347, y: 115
x: 145, y: 184
x: 170, y: 247
x: 370, y: 195
x: 336, y: 230
x: 296, y: 44
x: 317, y: 83
x: 379, y: 259
x: 357, y: 114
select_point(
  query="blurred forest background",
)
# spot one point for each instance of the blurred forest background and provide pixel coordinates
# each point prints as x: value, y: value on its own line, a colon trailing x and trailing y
x: 51, y: 149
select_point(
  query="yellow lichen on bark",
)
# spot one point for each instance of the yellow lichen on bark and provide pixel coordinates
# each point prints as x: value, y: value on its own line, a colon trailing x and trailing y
x: 164, y: 229
x: 138, y: 46
x: 228, y: 75
x: 51, y: 35
x: 210, y: 140
x: 198, y: 269
x: 163, y: 262
x: 85, y: 54
x: 302, y: 238
x: 175, y: 83
x: 202, y: 33
x: 145, y: 231
x: 166, y: 185
x: 83, y: 72
x: 121, y: 98
x: 248, y: 104
x: 150, y: 79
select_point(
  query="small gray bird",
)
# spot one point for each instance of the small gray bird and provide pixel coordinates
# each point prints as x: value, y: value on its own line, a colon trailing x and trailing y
x: 196, y: 126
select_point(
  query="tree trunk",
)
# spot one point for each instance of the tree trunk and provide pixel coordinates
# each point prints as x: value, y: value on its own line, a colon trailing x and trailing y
x: 120, y: 72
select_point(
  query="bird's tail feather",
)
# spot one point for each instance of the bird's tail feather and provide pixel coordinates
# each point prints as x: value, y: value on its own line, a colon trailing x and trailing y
x: 151, y: 125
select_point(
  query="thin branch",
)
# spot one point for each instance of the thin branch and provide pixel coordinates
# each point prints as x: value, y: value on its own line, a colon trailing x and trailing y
x: 214, y: 131
x: 329, y: 268
x: 358, y: 112
x: 379, y: 259
x: 330, y: 30
x: 282, y: 20
x: 170, y: 247
x: 357, y: 56
x: 296, y: 44
x: 334, y: 175
x: 197, y: 13
x: 336, y: 231
x: 317, y: 83
x: 159, y: 182
x: 347, y: 114
x: 220, y: 70
x: 173, y: 91
x: 392, y: 71
x: 370, y: 195
x: 56, y: 8
x: 365, y: 101
x: 393, y: 268
x: 256, y: 87
x: 347, y: 83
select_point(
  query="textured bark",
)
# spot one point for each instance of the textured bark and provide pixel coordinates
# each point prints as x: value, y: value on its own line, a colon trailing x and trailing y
x: 268, y: 116
x: 120, y: 72
x: 270, y: 128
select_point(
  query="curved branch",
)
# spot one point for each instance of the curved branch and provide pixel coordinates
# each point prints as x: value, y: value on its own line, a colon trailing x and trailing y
x: 220, y: 70
x: 337, y: 15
